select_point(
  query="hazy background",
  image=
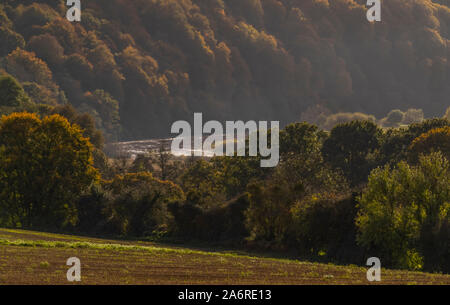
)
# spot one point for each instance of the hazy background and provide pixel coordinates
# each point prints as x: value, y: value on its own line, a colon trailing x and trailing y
x: 137, y: 66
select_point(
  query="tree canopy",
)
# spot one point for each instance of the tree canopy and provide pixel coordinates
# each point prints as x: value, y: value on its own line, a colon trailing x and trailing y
x: 44, y: 165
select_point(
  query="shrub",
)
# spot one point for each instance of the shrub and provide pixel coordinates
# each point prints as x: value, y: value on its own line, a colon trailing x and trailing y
x: 137, y: 204
x: 268, y: 216
x: 325, y: 224
x: 223, y: 223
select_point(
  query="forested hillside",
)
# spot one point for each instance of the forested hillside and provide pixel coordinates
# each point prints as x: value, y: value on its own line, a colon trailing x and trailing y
x: 139, y: 65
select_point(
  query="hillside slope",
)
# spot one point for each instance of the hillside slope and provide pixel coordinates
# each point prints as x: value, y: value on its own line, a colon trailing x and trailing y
x: 28, y: 257
x: 139, y: 65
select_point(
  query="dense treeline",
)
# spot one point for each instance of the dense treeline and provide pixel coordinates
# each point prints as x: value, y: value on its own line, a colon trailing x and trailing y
x: 137, y: 66
x: 341, y: 195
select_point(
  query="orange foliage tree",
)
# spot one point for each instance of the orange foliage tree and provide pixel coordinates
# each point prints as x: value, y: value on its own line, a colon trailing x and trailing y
x: 437, y: 139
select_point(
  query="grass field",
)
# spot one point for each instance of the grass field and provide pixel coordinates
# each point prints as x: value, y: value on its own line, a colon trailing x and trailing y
x: 28, y: 257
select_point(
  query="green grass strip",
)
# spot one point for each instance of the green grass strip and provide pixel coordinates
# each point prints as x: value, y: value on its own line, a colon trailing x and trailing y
x: 116, y: 247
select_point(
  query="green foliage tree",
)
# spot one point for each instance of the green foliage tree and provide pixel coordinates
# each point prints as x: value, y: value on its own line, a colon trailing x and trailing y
x: 323, y: 226
x: 300, y: 139
x: 201, y: 183
x: 84, y: 120
x: 405, y: 212
x: 137, y: 203
x: 11, y: 92
x: 272, y: 216
x: 268, y: 215
x: 352, y: 148
x: 44, y: 165
x: 108, y: 109
x: 235, y: 173
x: 41, y: 94
x: 301, y: 174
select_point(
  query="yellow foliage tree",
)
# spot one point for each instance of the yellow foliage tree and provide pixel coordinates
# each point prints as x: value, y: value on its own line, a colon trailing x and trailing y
x: 44, y: 165
x: 437, y: 139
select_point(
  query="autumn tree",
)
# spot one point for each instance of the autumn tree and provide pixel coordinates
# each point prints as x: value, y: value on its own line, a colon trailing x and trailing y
x: 25, y: 66
x: 395, y: 142
x: 44, y: 165
x: 34, y: 14
x: 84, y: 120
x: 48, y: 48
x: 434, y: 140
